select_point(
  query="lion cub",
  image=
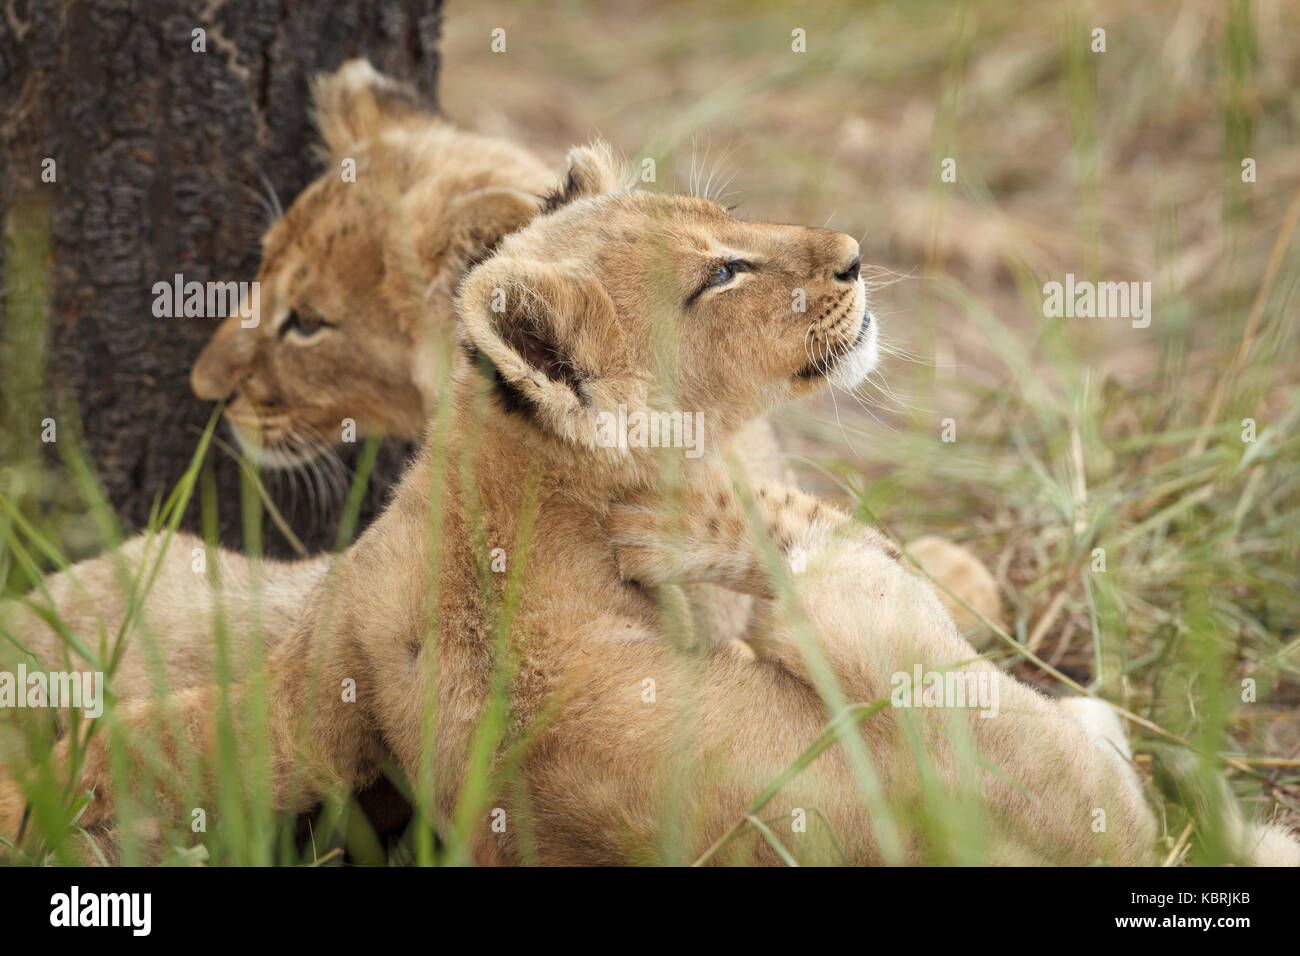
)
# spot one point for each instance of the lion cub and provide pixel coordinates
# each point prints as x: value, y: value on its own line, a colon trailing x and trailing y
x: 626, y: 745
x: 356, y: 285
x: 357, y: 278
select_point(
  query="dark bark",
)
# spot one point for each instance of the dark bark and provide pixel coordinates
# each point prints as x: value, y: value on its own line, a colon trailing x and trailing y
x: 161, y: 156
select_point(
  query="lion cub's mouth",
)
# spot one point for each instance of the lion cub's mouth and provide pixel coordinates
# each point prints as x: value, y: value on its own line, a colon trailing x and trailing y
x: 847, y: 367
x: 272, y: 446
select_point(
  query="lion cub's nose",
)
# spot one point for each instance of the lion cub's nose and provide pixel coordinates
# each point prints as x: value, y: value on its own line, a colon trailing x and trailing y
x: 850, y: 272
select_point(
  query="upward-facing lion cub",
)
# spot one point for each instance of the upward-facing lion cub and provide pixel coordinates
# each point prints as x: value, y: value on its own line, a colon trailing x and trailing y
x: 650, y: 304
x: 344, y: 342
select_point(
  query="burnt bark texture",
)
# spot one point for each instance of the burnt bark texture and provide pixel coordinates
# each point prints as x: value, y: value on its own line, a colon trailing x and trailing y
x: 163, y: 161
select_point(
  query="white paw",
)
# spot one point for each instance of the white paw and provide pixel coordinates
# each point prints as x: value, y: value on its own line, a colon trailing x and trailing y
x: 1100, y: 722
x: 1271, y: 845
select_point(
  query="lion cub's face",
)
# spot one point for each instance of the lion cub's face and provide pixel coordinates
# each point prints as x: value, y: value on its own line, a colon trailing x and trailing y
x: 356, y: 280
x: 664, y: 302
x: 759, y: 313
x: 327, y: 347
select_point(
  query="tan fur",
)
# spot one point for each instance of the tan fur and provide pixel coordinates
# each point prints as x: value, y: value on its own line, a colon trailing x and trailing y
x: 171, y: 635
x: 594, y: 314
x: 343, y: 255
x: 339, y: 255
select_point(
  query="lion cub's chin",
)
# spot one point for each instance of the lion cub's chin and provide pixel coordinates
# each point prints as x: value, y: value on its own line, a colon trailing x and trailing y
x: 851, y: 368
x: 283, y: 456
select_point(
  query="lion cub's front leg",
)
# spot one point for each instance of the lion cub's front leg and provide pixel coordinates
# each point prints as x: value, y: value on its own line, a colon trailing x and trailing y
x: 749, y: 542
x: 713, y: 533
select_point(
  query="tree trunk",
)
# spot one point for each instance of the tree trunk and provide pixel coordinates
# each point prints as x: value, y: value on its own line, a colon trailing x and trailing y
x: 162, y: 162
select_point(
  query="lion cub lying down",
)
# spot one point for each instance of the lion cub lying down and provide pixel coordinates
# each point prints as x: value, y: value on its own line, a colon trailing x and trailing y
x: 615, y: 298
x: 356, y: 282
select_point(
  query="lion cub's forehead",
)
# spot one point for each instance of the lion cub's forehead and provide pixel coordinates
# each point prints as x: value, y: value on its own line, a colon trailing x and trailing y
x: 694, y: 227
x: 626, y: 236
x: 329, y: 221
x: 603, y: 227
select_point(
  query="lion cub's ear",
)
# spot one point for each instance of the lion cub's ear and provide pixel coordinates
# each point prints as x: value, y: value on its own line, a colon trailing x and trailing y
x: 464, y: 231
x: 594, y: 170
x: 552, y: 338
x: 356, y: 103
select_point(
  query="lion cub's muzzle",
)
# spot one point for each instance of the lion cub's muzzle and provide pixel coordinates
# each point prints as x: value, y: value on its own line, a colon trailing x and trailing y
x: 843, y: 333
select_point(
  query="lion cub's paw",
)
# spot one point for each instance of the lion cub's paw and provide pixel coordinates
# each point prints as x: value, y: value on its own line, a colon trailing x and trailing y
x: 699, y: 535
x: 640, y: 538
x: 1271, y: 844
x: 684, y: 546
x: 965, y: 575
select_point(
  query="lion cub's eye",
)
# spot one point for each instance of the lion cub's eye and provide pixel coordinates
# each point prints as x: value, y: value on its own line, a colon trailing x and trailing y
x: 727, y: 271
x: 723, y: 274
x: 305, y: 324
x: 720, y: 276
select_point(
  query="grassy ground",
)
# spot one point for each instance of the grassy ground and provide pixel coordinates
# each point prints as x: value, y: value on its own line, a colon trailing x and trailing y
x: 1080, y: 444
